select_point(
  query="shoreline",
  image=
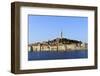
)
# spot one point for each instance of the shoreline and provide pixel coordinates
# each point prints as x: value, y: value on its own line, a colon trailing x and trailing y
x: 68, y: 50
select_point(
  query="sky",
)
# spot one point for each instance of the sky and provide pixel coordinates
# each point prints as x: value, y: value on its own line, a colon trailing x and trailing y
x: 44, y: 28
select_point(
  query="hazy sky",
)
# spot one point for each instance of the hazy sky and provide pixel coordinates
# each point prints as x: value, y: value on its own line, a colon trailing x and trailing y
x: 44, y: 28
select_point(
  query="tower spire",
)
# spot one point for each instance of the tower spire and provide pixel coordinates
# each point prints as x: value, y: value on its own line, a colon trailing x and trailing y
x: 61, y: 34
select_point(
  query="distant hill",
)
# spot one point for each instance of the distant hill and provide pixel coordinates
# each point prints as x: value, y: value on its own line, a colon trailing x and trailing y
x: 62, y: 40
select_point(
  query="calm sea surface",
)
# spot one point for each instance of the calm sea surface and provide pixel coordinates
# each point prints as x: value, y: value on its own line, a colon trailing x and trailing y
x: 48, y: 55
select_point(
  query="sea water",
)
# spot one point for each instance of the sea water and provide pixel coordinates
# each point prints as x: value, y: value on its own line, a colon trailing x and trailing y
x: 50, y: 55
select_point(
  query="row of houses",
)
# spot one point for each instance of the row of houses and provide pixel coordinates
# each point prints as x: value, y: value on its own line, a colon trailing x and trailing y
x: 57, y: 46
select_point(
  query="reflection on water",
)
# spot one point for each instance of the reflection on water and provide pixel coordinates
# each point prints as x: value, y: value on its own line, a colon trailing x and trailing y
x: 50, y: 55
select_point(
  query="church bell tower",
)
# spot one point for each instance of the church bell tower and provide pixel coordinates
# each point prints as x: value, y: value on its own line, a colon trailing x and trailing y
x: 61, y: 34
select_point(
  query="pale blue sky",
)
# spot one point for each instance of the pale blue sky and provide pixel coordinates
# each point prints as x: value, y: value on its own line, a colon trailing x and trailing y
x: 44, y: 28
